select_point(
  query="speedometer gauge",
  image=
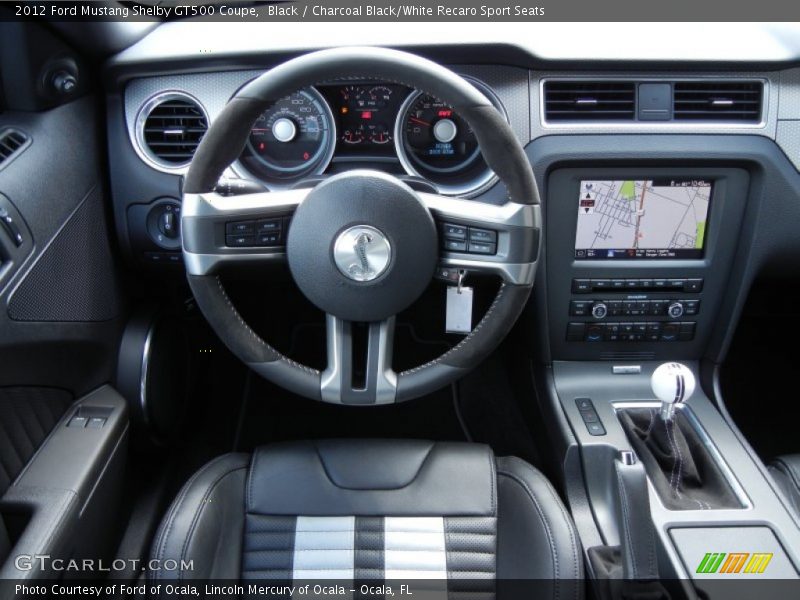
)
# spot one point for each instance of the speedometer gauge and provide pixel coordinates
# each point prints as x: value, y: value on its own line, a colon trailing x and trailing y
x: 435, y: 142
x: 291, y: 139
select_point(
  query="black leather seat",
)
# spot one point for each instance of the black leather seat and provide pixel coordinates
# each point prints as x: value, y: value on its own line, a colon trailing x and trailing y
x: 785, y: 470
x: 373, y: 509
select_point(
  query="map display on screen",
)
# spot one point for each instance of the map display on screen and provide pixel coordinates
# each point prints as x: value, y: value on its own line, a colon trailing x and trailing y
x: 651, y: 218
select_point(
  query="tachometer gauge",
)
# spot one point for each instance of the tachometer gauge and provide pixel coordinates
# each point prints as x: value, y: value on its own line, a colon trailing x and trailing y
x: 433, y: 141
x: 295, y: 137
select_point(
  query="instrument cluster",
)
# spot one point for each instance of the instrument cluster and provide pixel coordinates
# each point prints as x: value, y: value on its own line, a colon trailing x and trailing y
x: 318, y: 129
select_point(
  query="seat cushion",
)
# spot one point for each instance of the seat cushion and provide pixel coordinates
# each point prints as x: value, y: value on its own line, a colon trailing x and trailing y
x: 371, y: 509
x: 785, y: 470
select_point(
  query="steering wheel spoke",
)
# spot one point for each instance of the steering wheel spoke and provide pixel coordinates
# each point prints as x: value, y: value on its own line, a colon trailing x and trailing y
x: 223, y: 231
x: 481, y: 237
x: 359, y: 367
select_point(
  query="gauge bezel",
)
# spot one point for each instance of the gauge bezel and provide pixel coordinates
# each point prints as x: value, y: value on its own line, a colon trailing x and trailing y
x: 273, y: 183
x: 467, y: 189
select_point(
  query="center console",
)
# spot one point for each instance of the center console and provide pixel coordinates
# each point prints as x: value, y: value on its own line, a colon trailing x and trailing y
x: 638, y: 265
x: 638, y: 258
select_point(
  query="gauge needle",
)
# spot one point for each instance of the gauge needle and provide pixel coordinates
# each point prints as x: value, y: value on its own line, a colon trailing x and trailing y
x: 419, y: 121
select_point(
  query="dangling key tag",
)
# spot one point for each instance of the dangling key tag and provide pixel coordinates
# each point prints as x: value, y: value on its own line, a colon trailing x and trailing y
x: 459, y: 307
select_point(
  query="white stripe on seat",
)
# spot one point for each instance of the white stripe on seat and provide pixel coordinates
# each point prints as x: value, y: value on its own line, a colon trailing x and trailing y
x: 324, y: 548
x: 414, y: 548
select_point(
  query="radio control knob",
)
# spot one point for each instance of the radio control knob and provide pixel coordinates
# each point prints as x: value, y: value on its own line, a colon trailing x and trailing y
x: 675, y: 310
x: 599, y: 310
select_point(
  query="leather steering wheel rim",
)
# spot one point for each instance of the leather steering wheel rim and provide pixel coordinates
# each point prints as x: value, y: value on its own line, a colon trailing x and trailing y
x: 224, y: 142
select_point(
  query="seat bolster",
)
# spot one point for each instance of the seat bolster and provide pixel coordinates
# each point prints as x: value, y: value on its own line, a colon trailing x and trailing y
x: 785, y: 470
x: 204, y: 524
x: 536, y: 538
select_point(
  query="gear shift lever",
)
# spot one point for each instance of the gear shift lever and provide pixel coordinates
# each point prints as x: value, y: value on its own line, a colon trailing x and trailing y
x: 672, y: 383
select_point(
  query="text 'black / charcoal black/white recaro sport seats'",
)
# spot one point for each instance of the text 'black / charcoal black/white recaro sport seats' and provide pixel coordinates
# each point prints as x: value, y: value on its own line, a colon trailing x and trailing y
x: 358, y: 511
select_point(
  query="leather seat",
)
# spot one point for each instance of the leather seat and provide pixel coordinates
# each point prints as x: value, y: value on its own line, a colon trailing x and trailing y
x: 785, y: 470
x: 373, y: 509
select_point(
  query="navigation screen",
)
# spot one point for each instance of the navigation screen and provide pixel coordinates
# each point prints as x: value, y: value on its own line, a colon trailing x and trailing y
x: 630, y: 219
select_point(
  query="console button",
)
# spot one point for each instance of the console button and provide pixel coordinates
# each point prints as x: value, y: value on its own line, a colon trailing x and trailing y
x: 595, y: 333
x: 653, y: 332
x: 691, y: 307
x: 658, y: 307
x: 614, y: 307
x: 455, y: 245
x: 633, y: 284
x: 595, y: 428
x: 482, y: 235
x: 580, y: 308
x: 96, y: 423
x: 601, y: 284
x: 669, y: 332
x: 584, y: 404
x: 599, y: 310
x: 618, y: 284
x: 581, y: 286
x: 675, y: 310
x: 454, y: 232
x: 693, y: 285
x: 646, y: 284
x: 659, y: 284
x: 676, y: 283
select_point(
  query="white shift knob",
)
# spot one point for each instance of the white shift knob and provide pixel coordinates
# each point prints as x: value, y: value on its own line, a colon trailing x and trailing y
x: 672, y: 383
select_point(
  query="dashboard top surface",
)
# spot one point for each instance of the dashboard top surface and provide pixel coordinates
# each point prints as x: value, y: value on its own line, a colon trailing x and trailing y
x: 539, y: 42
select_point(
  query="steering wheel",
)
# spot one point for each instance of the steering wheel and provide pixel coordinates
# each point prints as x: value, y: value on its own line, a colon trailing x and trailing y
x: 362, y: 245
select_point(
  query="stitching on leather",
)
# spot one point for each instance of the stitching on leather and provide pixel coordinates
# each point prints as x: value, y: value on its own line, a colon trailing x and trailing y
x: 540, y: 512
x: 458, y: 346
x: 170, y: 521
x: 253, y: 463
x: 567, y: 521
x: 198, y: 511
x: 623, y: 496
x: 256, y: 337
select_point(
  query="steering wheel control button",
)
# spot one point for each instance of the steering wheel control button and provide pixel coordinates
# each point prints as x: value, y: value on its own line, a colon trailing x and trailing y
x: 460, y: 238
x: 454, y: 245
x: 454, y: 232
x: 362, y: 253
x: 265, y: 232
x: 240, y: 228
x: 362, y: 246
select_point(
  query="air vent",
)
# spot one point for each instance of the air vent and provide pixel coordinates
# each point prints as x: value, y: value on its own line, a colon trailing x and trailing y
x: 718, y: 101
x: 12, y: 141
x: 170, y: 128
x: 589, y: 100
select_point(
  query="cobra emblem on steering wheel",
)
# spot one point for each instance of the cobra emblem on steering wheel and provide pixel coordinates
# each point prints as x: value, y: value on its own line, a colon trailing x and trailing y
x: 362, y: 253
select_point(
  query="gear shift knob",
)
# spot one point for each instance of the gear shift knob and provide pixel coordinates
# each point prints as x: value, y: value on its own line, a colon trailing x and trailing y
x: 672, y: 383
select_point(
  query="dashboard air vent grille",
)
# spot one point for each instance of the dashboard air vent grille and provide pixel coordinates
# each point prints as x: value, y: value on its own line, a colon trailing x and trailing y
x: 173, y: 129
x: 11, y: 142
x: 718, y: 101
x: 590, y: 100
